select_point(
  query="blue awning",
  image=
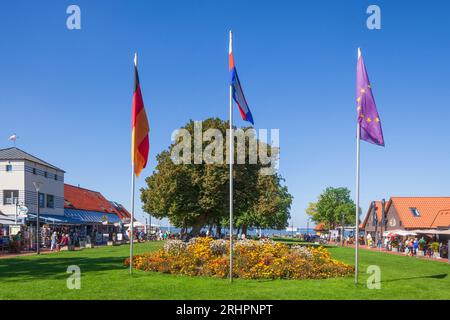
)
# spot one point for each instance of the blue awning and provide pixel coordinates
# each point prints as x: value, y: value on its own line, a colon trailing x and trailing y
x: 85, y: 216
x: 51, y: 218
x: 78, y: 217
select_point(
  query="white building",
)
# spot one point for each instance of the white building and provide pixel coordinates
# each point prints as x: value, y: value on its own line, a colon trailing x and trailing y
x: 18, y: 171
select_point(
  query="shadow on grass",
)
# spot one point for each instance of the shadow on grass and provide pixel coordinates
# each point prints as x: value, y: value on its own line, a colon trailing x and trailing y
x: 435, y: 276
x: 17, y: 270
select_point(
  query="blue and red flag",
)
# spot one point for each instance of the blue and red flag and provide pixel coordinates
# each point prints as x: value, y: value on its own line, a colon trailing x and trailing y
x: 238, y: 94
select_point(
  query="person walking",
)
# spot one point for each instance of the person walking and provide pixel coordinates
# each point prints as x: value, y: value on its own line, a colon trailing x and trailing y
x: 54, y: 240
x: 415, y: 246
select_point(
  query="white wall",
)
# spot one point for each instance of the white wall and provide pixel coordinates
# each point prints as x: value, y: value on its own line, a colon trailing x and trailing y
x: 48, y: 186
x: 14, y: 180
x: 21, y: 178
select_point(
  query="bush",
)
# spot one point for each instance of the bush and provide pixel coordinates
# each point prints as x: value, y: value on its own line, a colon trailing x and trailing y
x: 252, y: 259
x: 434, y: 246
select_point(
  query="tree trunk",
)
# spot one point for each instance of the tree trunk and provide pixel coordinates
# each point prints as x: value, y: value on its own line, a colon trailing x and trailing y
x: 244, y: 229
x: 198, y: 225
x: 218, y: 231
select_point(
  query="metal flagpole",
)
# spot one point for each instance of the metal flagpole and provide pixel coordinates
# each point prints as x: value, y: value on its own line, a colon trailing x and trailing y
x: 231, y: 168
x: 133, y: 177
x: 358, y: 134
x: 132, y: 217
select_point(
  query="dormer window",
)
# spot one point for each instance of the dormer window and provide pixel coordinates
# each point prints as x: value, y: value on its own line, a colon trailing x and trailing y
x: 415, y: 212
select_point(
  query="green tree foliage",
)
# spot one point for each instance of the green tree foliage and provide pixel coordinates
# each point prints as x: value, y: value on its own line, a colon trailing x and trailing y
x: 197, y: 195
x: 333, y: 205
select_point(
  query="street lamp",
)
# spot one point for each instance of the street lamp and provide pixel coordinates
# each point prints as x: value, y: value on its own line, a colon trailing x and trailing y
x: 37, y: 186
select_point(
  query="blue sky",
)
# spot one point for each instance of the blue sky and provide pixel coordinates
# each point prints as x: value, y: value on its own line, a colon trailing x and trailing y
x: 67, y: 94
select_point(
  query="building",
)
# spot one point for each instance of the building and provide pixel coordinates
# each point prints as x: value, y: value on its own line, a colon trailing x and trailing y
x: 60, y: 204
x: 426, y: 214
x: 320, y: 227
x: 18, y: 173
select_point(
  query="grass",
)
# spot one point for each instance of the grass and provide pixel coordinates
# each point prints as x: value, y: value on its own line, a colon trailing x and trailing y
x: 104, y: 277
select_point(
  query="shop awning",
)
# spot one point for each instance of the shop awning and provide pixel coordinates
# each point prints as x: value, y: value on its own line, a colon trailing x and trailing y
x: 77, y: 217
x: 6, y: 221
x: 433, y: 231
x: 87, y: 217
x: 53, y: 219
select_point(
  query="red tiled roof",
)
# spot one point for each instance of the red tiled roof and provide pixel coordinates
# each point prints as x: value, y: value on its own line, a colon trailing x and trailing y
x: 442, y: 219
x: 85, y: 199
x: 320, y: 227
x: 431, y: 209
x: 123, y: 213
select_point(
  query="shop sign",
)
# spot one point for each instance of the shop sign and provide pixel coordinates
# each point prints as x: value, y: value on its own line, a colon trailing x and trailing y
x: 14, y: 229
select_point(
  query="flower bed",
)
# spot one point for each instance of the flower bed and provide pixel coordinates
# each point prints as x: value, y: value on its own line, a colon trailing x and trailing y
x: 251, y: 260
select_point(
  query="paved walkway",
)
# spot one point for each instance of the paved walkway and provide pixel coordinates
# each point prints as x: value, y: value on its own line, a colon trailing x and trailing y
x: 365, y: 247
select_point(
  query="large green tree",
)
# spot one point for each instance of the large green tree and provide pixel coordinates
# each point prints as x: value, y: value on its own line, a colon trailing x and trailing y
x: 196, y: 195
x: 333, y: 206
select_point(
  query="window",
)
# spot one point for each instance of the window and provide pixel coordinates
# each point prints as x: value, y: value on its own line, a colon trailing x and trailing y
x: 10, y: 196
x: 41, y: 200
x: 50, y: 201
x: 8, y: 168
x: 34, y: 170
x: 415, y: 212
x: 56, y: 177
x: 45, y: 174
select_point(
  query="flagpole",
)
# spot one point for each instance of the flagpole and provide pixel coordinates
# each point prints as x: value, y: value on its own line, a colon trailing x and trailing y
x: 358, y: 140
x: 231, y: 169
x: 358, y: 143
x: 133, y: 178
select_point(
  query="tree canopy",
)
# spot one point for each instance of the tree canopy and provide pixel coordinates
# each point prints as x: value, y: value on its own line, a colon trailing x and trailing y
x: 333, y: 206
x: 193, y: 195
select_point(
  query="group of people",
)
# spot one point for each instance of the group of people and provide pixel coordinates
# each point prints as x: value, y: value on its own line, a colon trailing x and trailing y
x: 60, y: 240
x: 410, y: 246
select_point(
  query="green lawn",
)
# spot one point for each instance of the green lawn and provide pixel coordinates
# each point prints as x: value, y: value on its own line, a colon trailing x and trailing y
x: 104, y: 277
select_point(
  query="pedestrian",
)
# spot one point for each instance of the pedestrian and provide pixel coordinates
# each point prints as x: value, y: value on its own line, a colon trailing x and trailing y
x: 415, y: 246
x: 54, y: 241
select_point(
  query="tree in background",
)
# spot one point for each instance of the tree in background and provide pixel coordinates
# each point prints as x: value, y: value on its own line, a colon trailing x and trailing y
x: 194, y: 196
x: 333, y: 206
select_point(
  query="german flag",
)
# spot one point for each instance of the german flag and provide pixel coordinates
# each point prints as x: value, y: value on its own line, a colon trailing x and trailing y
x: 140, y: 146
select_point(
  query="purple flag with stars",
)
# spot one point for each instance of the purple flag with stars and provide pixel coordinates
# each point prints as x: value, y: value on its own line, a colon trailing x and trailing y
x: 368, y: 117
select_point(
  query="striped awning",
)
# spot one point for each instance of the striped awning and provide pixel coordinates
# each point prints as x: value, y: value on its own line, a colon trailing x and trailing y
x: 52, y: 219
x: 86, y: 217
x: 77, y: 217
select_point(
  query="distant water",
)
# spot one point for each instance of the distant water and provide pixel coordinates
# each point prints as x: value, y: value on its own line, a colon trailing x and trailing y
x: 254, y: 232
